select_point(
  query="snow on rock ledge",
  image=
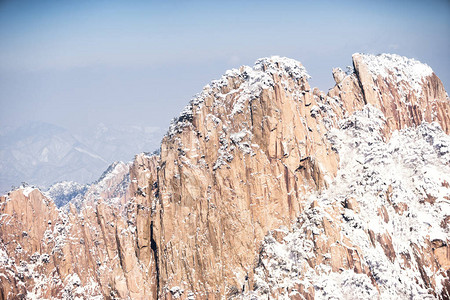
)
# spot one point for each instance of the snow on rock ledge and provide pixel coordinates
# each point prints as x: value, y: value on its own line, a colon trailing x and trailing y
x: 397, y: 67
x: 254, y: 80
x: 405, y: 90
x: 369, y: 235
x: 277, y: 64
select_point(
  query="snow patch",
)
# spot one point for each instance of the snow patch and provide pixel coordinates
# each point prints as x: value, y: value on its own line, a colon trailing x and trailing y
x: 398, y: 68
x: 408, y: 168
x: 27, y: 191
x: 253, y: 81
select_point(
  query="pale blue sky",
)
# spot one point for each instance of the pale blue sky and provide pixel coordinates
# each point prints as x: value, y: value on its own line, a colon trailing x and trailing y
x: 79, y: 63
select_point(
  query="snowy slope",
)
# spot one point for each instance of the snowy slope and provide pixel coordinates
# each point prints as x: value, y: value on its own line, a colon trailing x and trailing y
x: 413, y: 168
x: 63, y: 192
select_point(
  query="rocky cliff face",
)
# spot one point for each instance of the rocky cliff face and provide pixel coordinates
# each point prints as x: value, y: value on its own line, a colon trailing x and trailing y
x: 381, y: 228
x: 101, y: 251
x: 263, y: 187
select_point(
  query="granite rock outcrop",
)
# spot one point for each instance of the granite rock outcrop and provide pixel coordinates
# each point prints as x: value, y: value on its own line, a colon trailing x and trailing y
x: 263, y: 187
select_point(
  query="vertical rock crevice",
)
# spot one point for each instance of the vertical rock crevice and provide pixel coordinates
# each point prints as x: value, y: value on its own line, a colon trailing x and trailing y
x: 154, y: 248
x: 358, y: 78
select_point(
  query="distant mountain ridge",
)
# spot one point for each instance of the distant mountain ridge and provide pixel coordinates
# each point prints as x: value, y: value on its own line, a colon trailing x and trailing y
x: 43, y: 154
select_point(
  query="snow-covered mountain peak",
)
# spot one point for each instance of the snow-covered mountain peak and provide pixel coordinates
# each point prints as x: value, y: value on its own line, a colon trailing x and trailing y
x: 114, y: 169
x: 238, y: 86
x: 277, y: 64
x: 397, y: 67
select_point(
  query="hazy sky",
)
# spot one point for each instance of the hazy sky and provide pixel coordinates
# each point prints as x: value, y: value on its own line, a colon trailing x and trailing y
x: 79, y: 63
